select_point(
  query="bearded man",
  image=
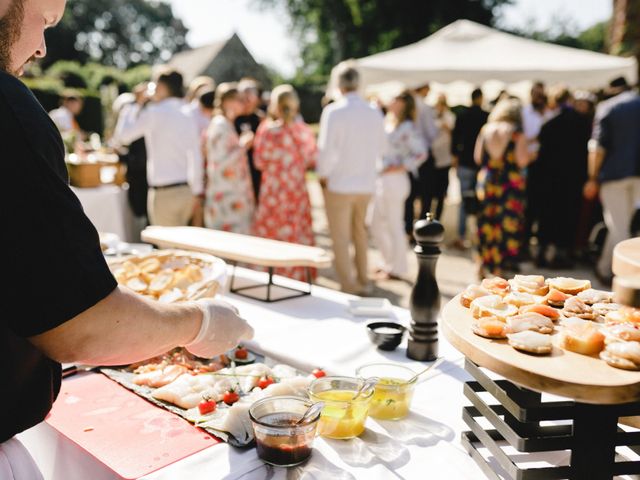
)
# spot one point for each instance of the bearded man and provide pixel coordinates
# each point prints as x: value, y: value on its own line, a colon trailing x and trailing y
x: 60, y: 302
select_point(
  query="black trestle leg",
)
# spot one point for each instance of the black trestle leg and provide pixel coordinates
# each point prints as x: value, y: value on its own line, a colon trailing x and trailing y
x: 593, y: 453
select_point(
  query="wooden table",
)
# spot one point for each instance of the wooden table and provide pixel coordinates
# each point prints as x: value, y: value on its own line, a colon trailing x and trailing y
x: 243, y: 249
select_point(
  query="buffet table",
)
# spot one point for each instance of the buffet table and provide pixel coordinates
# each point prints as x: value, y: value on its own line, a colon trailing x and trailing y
x: 108, y: 209
x: 308, y: 332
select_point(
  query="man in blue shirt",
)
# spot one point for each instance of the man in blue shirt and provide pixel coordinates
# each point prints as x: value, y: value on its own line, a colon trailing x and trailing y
x: 614, y: 166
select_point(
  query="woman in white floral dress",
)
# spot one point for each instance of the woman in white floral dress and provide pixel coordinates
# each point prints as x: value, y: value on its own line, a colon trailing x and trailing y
x: 405, y: 150
x: 229, y: 199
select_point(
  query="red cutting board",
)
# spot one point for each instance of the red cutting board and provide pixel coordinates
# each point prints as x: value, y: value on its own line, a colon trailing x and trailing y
x: 122, y: 430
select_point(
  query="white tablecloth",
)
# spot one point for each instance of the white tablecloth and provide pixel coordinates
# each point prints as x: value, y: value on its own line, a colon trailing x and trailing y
x: 309, y: 332
x: 108, y: 209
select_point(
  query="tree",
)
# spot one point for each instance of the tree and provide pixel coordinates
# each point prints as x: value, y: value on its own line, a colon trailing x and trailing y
x: 564, y: 31
x: 120, y: 33
x: 330, y: 31
x: 625, y: 32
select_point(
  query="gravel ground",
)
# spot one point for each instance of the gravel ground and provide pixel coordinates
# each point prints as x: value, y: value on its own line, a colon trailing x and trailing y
x: 454, y: 271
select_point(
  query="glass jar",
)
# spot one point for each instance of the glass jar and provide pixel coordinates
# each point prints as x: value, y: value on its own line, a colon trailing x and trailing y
x: 342, y: 417
x: 279, y: 441
x: 393, y: 393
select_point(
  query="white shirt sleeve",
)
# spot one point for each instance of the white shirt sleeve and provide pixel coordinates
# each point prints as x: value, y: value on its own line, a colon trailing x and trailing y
x: 62, y: 118
x: 195, y: 163
x: 132, y: 126
x: 430, y: 128
x: 327, y: 144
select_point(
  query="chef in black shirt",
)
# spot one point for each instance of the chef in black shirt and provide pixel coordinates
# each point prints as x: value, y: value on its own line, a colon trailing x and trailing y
x: 59, y: 302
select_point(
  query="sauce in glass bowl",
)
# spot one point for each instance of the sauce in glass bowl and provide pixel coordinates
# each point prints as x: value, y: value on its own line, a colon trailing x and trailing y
x: 280, y: 440
x: 393, y: 393
x: 342, y: 417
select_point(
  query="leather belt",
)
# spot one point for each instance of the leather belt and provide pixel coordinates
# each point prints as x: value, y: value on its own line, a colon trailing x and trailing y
x: 172, y: 185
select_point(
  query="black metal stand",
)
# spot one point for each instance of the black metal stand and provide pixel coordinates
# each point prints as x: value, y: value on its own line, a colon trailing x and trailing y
x: 270, y: 283
x: 590, y: 432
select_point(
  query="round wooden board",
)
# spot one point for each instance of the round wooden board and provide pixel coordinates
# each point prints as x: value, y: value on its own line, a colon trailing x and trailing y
x: 626, y: 257
x: 582, y: 378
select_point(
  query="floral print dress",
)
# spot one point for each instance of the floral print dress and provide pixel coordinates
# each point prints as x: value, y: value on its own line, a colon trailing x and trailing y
x: 283, y: 152
x: 501, y: 191
x: 229, y: 200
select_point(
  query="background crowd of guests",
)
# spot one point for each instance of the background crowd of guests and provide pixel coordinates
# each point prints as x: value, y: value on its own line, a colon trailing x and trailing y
x: 532, y: 175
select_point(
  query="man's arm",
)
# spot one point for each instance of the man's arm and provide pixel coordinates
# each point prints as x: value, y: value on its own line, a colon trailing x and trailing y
x: 131, y: 126
x: 120, y: 329
x: 196, y: 176
x: 327, y: 157
x: 430, y: 127
x: 596, y: 158
x: 597, y: 153
x: 124, y: 328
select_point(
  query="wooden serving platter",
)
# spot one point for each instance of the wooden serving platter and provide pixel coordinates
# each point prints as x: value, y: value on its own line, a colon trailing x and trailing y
x: 237, y: 247
x: 626, y: 257
x: 579, y: 377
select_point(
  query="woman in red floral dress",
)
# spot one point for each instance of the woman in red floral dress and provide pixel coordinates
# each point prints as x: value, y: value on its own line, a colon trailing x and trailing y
x: 284, y: 148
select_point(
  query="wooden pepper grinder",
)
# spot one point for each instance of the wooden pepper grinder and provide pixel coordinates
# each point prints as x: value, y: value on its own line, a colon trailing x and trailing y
x: 425, y: 296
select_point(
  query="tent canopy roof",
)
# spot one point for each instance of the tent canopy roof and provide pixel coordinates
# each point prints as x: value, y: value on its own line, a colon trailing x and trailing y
x: 468, y: 51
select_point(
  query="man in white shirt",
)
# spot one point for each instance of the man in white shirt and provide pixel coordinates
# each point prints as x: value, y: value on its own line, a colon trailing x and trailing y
x: 351, y: 141
x: 422, y: 183
x: 175, y: 168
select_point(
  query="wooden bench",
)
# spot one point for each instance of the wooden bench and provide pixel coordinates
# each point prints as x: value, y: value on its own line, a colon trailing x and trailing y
x: 237, y: 248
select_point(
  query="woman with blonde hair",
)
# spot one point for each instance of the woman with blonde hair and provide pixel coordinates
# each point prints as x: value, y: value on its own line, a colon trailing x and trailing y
x: 405, y: 150
x: 441, y: 149
x: 501, y: 152
x: 284, y: 148
x: 229, y: 201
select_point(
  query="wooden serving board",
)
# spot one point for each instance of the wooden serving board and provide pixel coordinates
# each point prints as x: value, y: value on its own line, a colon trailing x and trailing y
x: 582, y: 378
x: 626, y: 257
x: 237, y: 247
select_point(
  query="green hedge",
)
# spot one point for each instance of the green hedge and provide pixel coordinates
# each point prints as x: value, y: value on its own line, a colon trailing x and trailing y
x: 86, y: 79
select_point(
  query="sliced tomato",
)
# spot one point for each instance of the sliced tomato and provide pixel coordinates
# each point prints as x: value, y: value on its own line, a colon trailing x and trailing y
x: 318, y: 373
x: 230, y: 397
x: 207, y: 406
x: 241, y: 353
x: 265, y: 381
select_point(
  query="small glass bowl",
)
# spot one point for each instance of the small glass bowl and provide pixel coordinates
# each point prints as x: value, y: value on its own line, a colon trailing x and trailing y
x: 341, y: 417
x: 279, y: 441
x: 393, y: 393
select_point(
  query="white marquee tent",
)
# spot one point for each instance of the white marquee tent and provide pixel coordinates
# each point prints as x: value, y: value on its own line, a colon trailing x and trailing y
x: 466, y: 54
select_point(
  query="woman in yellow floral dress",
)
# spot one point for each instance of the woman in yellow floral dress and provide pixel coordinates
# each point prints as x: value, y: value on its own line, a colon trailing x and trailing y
x: 501, y: 152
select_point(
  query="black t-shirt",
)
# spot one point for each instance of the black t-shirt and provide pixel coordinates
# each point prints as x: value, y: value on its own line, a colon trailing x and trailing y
x: 53, y: 268
x: 463, y: 139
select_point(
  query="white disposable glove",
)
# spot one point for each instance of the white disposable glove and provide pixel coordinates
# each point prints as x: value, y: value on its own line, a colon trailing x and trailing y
x: 221, y: 329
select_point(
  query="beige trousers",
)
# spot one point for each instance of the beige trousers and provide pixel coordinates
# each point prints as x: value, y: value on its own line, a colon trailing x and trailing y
x: 346, y: 216
x: 170, y: 207
x: 620, y: 198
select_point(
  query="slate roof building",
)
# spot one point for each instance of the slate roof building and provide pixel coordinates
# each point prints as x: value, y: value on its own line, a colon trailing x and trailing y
x: 226, y: 61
